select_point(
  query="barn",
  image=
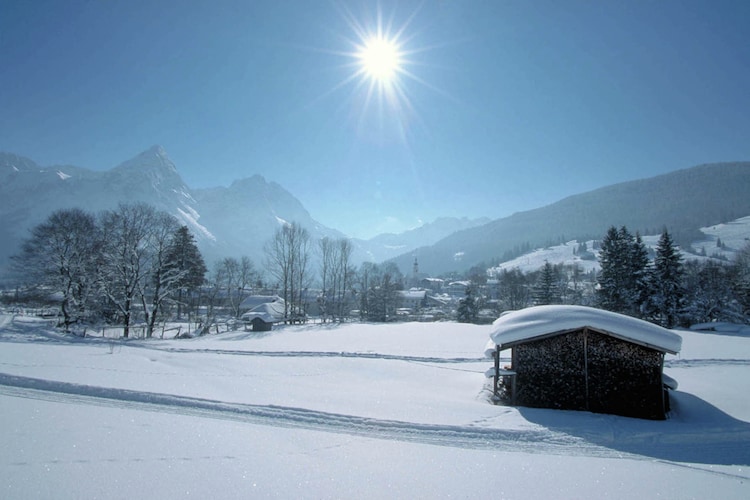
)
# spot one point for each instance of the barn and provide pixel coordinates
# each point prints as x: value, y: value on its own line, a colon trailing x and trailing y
x: 582, y: 358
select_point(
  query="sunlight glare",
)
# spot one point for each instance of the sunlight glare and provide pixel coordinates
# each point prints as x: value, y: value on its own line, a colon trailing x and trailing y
x: 381, y: 59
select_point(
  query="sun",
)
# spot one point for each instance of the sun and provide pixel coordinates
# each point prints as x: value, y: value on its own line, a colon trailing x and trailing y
x: 380, y: 55
x: 381, y: 59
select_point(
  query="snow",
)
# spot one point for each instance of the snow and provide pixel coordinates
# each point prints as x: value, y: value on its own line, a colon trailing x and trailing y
x: 565, y: 254
x: 270, y: 312
x: 190, y: 216
x: 345, y: 411
x: 542, y: 320
x: 734, y: 236
x: 723, y: 327
x: 282, y: 222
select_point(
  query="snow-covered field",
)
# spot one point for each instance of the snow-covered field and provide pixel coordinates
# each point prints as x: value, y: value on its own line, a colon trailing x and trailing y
x: 353, y: 411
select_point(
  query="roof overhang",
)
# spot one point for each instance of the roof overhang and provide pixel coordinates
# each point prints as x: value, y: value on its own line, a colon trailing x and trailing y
x: 539, y: 322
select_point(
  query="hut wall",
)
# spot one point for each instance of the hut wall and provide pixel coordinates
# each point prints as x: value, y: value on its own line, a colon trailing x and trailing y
x: 550, y: 373
x: 624, y: 378
x: 588, y: 370
x: 261, y: 326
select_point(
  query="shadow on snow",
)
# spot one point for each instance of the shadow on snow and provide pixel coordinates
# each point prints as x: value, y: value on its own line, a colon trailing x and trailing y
x: 696, y: 432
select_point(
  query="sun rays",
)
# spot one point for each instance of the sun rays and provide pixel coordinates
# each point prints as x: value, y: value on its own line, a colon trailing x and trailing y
x: 380, y: 58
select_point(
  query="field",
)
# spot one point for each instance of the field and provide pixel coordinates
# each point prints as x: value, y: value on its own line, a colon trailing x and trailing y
x: 345, y: 411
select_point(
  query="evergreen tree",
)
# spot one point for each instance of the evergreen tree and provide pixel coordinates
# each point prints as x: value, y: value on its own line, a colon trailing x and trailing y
x: 547, y: 289
x: 468, y: 307
x: 185, y: 260
x: 612, y: 278
x: 708, y: 293
x: 639, y: 275
x: 623, y: 259
x: 741, y: 279
x: 666, y: 298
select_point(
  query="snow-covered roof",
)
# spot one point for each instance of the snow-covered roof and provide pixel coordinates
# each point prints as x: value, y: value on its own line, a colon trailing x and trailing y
x: 252, y: 301
x: 413, y: 294
x: 270, y: 312
x: 538, y: 321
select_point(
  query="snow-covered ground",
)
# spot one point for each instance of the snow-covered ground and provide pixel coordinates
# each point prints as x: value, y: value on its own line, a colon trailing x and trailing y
x: 353, y: 411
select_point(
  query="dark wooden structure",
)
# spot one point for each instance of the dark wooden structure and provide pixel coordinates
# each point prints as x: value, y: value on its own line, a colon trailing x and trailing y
x: 586, y: 367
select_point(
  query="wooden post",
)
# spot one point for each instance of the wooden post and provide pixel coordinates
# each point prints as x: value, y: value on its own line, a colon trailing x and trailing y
x: 496, y: 355
x: 586, y: 363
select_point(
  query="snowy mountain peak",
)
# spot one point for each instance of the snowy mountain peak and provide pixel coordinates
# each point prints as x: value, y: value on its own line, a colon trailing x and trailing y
x: 10, y: 162
x: 154, y: 165
x: 154, y: 157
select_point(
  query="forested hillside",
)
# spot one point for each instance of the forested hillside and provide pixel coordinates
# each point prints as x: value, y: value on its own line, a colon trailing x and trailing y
x: 681, y: 201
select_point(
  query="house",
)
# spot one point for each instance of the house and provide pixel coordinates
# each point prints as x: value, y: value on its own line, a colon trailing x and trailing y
x: 457, y: 289
x: 264, y: 312
x: 435, y: 285
x: 413, y: 298
x: 581, y: 358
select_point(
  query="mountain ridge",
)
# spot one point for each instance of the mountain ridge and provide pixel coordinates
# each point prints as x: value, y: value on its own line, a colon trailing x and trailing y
x: 237, y: 220
x: 683, y: 201
x: 227, y: 221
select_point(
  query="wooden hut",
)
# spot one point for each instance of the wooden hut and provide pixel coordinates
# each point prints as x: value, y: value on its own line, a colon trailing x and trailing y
x: 581, y: 358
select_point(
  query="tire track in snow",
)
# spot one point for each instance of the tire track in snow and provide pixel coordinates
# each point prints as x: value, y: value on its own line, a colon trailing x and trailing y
x: 527, y: 441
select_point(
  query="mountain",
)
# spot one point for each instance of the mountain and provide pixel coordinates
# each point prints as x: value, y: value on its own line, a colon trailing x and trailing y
x: 237, y: 220
x: 233, y: 221
x: 226, y: 221
x: 389, y: 245
x: 682, y: 201
x: 245, y: 215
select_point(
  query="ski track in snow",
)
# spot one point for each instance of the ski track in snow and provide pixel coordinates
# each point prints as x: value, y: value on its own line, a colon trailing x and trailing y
x: 529, y: 441
x: 690, y: 363
x: 325, y: 354
x: 533, y: 441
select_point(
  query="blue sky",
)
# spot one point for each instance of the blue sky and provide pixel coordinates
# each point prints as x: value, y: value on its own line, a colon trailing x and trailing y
x: 503, y: 105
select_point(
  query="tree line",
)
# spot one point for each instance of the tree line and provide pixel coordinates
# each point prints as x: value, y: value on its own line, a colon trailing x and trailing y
x: 138, y: 264
x: 660, y: 286
x: 667, y: 290
x: 124, y: 262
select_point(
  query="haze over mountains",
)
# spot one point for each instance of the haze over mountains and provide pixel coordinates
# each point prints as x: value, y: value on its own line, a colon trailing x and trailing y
x: 226, y: 221
x: 239, y: 219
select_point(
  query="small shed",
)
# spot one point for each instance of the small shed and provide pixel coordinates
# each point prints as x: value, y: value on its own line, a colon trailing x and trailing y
x: 582, y: 358
x: 264, y: 315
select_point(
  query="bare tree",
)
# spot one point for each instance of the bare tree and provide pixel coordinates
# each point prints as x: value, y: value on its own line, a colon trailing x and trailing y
x: 248, y: 276
x: 164, y: 277
x: 343, y: 274
x: 325, y: 251
x: 126, y: 233
x: 228, y: 279
x: 62, y: 255
x: 379, y: 291
x: 236, y: 278
x: 287, y: 259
